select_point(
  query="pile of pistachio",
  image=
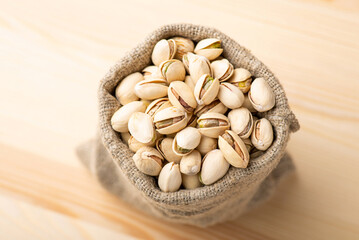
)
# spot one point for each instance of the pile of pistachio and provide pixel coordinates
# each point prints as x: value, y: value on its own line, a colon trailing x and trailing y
x: 191, y: 115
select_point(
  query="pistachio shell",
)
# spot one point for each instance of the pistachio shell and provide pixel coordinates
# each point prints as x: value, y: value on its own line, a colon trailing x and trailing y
x: 151, y: 89
x: 170, y: 120
x: 163, y: 50
x: 170, y: 178
x: 125, y: 136
x: 188, y: 80
x: 191, y: 181
x: 242, y: 78
x: 206, y: 145
x: 206, y: 89
x: 181, y: 96
x: 164, y: 146
x: 212, y: 124
x: 157, y: 105
x: 148, y: 160
x: 222, y: 69
x: 186, y: 140
x: 215, y: 106
x: 152, y: 72
x: 214, y: 167
x: 247, y: 104
x: 261, y: 95
x: 135, y: 145
x: 191, y: 164
x: 199, y: 65
x: 187, y: 58
x: 125, y: 90
x: 241, y: 122
x: 119, y: 120
x: 141, y: 127
x: 249, y: 144
x: 230, y: 95
x: 233, y: 149
x: 262, y: 135
x: 172, y: 70
x: 192, y: 120
x: 184, y: 45
x: 209, y: 48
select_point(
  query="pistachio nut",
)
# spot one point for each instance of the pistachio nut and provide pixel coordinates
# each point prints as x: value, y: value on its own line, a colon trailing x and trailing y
x: 172, y: 70
x: 170, y: 120
x: 192, y: 120
x: 125, y: 136
x: 135, y: 145
x: 262, y: 135
x: 125, y: 90
x: 151, y: 89
x: 261, y: 95
x: 241, y: 78
x: 187, y: 58
x: 248, y: 143
x: 191, y: 164
x: 148, y: 160
x: 230, y: 95
x: 188, y: 80
x: 210, y: 48
x: 214, y: 167
x: 184, y: 45
x: 212, y: 124
x: 233, y: 149
x: 198, y: 66
x: 140, y: 125
x: 215, y: 106
x: 241, y: 122
x: 170, y: 179
x: 163, y: 50
x: 119, y: 120
x: 247, y: 104
x: 181, y: 96
x: 186, y: 140
x: 206, y: 145
x: 206, y: 89
x: 157, y: 105
x: 191, y: 181
x: 164, y: 146
x: 222, y: 69
x: 152, y: 72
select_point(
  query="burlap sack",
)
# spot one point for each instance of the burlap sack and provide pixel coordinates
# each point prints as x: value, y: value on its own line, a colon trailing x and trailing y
x: 239, y: 190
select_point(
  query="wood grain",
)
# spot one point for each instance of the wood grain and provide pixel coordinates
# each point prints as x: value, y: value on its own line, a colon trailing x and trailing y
x: 52, y: 56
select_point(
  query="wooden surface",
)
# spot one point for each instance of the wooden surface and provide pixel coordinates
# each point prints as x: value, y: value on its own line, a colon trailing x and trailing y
x: 52, y: 56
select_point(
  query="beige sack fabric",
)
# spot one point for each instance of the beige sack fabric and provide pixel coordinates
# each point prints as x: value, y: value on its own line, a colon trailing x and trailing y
x: 239, y: 190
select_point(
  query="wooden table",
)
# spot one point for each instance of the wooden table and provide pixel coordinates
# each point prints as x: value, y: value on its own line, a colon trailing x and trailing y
x: 52, y: 56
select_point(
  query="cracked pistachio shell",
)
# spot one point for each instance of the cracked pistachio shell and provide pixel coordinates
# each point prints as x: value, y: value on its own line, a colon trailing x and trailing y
x: 248, y: 143
x: 125, y: 89
x: 181, y: 96
x: 186, y: 140
x: 188, y: 80
x: 261, y: 95
x: 141, y: 127
x: 192, y: 120
x: 187, y: 58
x: 120, y: 118
x: 214, y: 167
x: 164, y: 146
x: 242, y: 78
x: 247, y: 104
x: 222, y: 69
x: 209, y: 48
x: 191, y: 164
x: 152, y: 72
x: 198, y: 66
x: 163, y: 50
x: 206, y: 89
x: 148, y: 160
x: 191, y: 181
x: 125, y: 136
x: 262, y: 135
x: 172, y: 70
x: 151, y: 89
x: 215, y: 106
x: 170, y: 120
x: 157, y: 105
x: 233, y: 149
x: 212, y: 124
x: 206, y: 145
x: 184, y: 45
x: 230, y: 95
x: 135, y: 145
x: 170, y: 178
x: 241, y: 122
